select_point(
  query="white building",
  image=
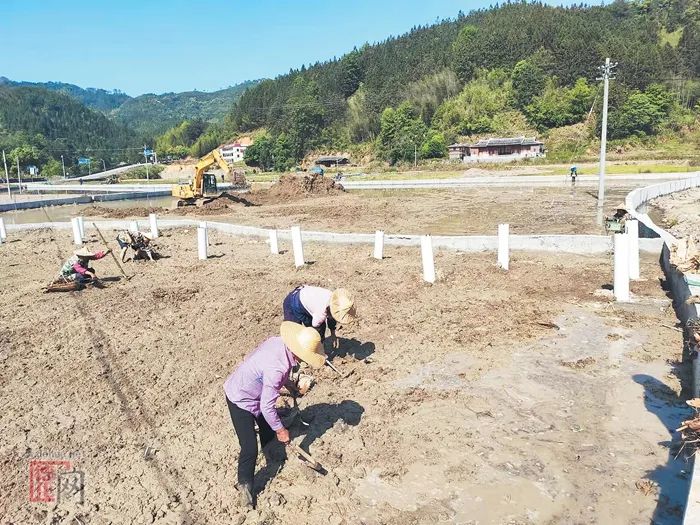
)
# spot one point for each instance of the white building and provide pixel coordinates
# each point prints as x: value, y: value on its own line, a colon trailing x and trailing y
x: 235, y: 151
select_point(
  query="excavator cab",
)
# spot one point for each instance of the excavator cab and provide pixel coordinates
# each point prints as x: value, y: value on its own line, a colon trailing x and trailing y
x: 209, y: 184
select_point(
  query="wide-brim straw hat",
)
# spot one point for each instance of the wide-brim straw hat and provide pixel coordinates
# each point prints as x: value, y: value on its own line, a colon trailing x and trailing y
x: 84, y: 252
x: 343, y: 306
x: 304, y: 342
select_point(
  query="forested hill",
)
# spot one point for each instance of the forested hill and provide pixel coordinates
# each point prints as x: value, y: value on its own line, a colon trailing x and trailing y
x: 511, y: 68
x: 148, y: 114
x: 153, y: 114
x: 99, y: 99
x: 38, y: 126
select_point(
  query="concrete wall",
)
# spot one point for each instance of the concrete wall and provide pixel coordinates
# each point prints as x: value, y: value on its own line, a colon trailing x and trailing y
x: 81, y: 199
x: 581, y: 244
x: 680, y: 291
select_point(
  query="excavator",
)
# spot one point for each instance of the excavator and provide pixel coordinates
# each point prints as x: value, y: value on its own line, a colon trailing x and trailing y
x: 202, y: 188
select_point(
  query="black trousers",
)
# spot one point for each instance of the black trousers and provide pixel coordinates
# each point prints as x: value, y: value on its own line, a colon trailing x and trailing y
x: 244, y: 425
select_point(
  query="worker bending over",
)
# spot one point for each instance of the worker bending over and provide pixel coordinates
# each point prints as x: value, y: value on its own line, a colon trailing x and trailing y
x: 139, y: 242
x: 253, y: 388
x: 78, y: 269
x: 318, y: 307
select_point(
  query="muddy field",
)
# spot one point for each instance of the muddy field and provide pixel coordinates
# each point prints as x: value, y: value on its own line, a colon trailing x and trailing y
x: 487, y: 398
x: 438, y: 212
x: 679, y: 213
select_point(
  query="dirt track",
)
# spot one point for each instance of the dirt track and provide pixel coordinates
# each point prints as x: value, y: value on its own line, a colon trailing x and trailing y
x: 463, y: 405
x: 439, y: 212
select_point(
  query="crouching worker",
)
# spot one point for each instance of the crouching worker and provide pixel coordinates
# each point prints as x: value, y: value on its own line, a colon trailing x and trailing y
x: 252, y: 391
x: 78, y: 269
x: 140, y: 243
x: 318, y: 307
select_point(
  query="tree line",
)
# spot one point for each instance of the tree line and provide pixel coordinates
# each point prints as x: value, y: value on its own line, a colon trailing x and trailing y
x: 512, y: 68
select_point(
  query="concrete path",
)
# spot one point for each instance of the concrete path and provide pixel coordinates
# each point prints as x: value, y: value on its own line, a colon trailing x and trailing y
x: 517, y: 180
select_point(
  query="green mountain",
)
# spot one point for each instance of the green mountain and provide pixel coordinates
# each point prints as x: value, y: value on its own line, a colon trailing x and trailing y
x: 38, y: 126
x: 514, y: 68
x: 154, y: 114
x: 148, y: 114
x: 99, y: 99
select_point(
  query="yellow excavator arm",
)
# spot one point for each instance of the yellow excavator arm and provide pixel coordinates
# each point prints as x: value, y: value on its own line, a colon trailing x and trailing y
x: 211, y: 158
x: 197, y: 188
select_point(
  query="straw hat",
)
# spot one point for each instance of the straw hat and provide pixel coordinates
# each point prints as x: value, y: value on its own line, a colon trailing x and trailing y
x: 343, y: 306
x: 84, y: 252
x: 303, y: 342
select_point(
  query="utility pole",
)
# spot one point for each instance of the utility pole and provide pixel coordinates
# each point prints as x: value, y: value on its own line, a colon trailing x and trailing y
x: 64, y: 166
x: 19, y: 176
x: 146, y: 159
x: 7, y: 174
x: 415, y: 155
x: 606, y: 72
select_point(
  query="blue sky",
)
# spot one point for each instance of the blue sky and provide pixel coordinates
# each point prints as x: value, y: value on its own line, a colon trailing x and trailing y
x: 156, y: 46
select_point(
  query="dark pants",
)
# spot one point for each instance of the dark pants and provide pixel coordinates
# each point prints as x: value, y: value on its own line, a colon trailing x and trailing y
x: 294, y: 311
x: 244, y: 425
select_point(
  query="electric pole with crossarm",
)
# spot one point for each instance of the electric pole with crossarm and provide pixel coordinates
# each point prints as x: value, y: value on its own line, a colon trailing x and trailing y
x: 606, y: 74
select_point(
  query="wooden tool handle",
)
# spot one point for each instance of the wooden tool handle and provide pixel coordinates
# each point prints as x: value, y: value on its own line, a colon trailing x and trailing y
x: 308, y: 457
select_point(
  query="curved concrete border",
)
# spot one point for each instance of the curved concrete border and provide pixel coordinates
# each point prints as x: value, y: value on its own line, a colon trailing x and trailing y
x: 680, y: 290
x: 579, y: 244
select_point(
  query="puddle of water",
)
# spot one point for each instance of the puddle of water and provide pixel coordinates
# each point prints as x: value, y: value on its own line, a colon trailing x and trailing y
x: 65, y: 212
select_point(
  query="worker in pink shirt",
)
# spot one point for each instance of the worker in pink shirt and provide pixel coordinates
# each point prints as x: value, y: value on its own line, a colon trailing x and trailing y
x: 78, y: 268
x: 253, y: 388
x: 317, y: 307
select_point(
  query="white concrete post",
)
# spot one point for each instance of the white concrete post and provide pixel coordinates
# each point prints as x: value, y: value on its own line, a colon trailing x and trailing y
x: 81, y: 225
x: 379, y: 245
x: 274, y: 247
x: 297, y: 247
x: 153, y: 219
x: 426, y: 250
x: 202, y: 243
x: 503, y: 255
x: 633, y: 234
x: 621, y: 274
x: 134, y: 226
x: 203, y: 225
x: 3, y: 231
x: 77, y: 238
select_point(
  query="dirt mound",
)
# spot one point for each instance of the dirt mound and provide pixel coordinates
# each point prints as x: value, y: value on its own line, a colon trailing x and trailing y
x: 305, y: 184
x: 227, y: 200
x: 118, y: 213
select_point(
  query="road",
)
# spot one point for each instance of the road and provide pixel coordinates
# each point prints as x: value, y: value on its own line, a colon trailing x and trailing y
x: 510, y: 180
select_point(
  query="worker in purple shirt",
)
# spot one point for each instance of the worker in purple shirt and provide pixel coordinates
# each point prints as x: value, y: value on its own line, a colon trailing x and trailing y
x: 253, y: 388
x: 318, y: 307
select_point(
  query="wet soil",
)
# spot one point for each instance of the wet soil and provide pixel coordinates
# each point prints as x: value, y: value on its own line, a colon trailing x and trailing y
x: 458, y: 402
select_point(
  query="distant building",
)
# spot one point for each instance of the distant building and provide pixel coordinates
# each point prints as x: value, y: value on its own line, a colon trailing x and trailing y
x: 498, y: 150
x: 235, y: 151
x: 332, y: 160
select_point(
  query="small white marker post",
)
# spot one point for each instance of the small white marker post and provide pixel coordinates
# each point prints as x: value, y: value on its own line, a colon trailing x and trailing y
x: 134, y: 226
x: 81, y: 225
x: 379, y: 245
x: 77, y: 238
x: 153, y: 219
x: 426, y: 250
x: 202, y: 243
x: 274, y: 247
x: 503, y: 255
x: 297, y: 247
x: 621, y: 274
x: 203, y: 225
x: 3, y: 231
x: 633, y: 238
